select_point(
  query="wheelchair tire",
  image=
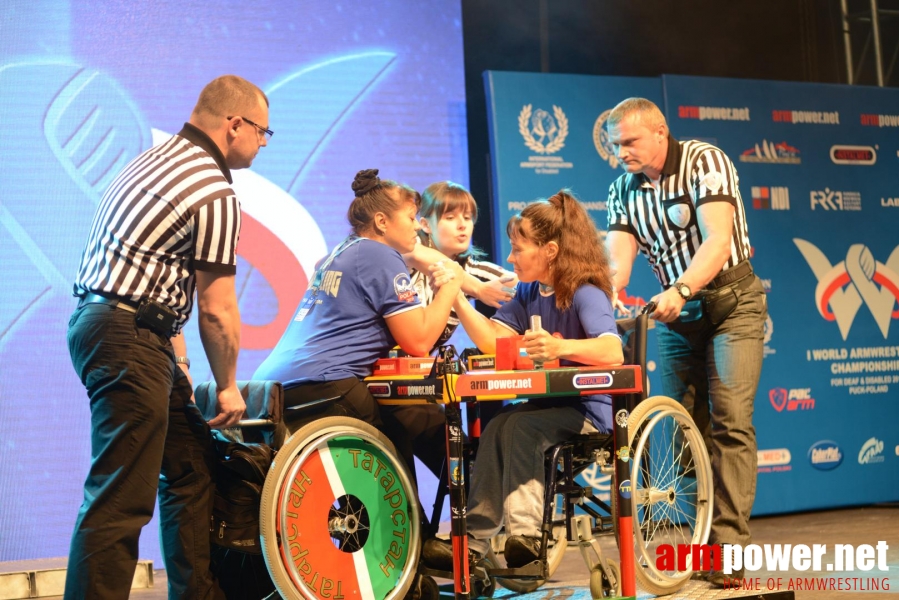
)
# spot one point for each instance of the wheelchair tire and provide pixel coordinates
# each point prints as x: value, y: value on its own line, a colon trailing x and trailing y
x: 240, y: 575
x: 671, y: 489
x: 601, y: 586
x: 339, y: 514
x: 554, y: 556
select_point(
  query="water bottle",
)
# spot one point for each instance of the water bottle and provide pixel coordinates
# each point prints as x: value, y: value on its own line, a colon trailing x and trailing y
x: 537, y: 325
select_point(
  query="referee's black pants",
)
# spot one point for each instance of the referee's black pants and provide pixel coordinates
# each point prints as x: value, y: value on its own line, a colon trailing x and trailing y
x: 145, y: 433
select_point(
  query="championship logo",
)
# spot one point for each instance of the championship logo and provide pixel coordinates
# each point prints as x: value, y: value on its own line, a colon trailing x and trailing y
x: 860, y: 279
x: 602, y: 142
x: 542, y: 132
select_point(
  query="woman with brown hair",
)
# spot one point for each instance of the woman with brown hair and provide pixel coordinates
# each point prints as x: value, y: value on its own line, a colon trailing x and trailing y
x: 447, y: 215
x: 566, y: 281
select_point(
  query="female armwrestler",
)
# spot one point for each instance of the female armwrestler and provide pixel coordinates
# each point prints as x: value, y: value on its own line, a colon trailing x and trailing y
x: 447, y: 214
x: 566, y: 280
x: 359, y: 305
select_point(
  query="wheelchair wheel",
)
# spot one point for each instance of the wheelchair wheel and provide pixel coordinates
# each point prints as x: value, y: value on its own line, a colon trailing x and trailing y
x: 240, y: 575
x: 339, y: 514
x: 554, y: 555
x: 602, y: 586
x: 671, y: 488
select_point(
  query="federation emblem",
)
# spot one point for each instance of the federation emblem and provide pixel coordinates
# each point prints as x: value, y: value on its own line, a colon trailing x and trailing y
x: 679, y: 214
x: 860, y: 279
x: 542, y: 132
x: 602, y: 142
x: 621, y: 418
x: 623, y: 453
x: 713, y: 182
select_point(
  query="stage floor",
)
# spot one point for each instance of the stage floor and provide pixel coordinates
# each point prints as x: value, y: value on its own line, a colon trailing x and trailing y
x: 855, y: 526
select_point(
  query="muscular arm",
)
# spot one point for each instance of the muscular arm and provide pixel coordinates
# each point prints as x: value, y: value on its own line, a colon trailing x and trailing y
x: 716, y: 224
x: 482, y: 331
x: 180, y: 348
x: 219, y: 320
x: 417, y: 330
x: 622, y: 249
x: 489, y: 293
x: 604, y: 350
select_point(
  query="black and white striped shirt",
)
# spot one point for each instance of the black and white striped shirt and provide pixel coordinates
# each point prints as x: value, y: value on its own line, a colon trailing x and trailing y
x: 664, y: 221
x: 169, y: 212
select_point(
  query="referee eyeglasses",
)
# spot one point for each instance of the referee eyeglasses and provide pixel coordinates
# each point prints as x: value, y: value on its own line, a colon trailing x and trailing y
x: 268, y: 133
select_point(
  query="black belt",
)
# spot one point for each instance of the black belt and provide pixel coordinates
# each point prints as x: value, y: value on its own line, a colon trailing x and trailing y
x: 91, y: 298
x: 730, y: 276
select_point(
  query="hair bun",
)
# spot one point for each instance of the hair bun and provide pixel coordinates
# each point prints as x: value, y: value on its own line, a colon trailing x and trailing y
x: 366, y: 180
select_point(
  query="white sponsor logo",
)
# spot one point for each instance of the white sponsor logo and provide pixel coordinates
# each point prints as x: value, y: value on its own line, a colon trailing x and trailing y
x: 833, y: 200
x: 871, y: 452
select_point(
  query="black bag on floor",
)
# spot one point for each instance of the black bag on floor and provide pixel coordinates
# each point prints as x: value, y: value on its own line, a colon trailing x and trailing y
x: 239, y: 477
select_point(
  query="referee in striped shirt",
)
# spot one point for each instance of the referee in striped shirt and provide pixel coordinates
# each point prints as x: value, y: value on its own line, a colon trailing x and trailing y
x: 679, y: 204
x: 167, y: 227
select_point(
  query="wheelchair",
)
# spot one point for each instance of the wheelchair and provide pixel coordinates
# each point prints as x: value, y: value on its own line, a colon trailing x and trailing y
x: 339, y: 512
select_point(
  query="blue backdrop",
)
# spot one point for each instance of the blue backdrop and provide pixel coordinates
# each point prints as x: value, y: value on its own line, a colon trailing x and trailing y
x: 84, y: 87
x: 817, y: 167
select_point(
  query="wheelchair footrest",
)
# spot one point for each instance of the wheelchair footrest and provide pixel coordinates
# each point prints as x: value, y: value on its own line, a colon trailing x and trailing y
x: 532, y: 570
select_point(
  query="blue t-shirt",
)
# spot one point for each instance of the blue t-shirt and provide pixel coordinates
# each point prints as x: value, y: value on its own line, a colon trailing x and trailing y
x: 344, y: 332
x: 589, y: 316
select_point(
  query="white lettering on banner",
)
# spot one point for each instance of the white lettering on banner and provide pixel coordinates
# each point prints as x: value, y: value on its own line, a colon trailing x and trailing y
x: 545, y: 165
x: 723, y: 114
x: 854, y: 361
x: 510, y: 384
x: 834, y: 200
x: 814, y: 117
x: 880, y: 120
x: 809, y: 116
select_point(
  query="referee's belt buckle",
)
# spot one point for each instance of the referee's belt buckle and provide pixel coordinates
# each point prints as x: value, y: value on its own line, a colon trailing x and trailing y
x: 91, y: 298
x: 742, y: 270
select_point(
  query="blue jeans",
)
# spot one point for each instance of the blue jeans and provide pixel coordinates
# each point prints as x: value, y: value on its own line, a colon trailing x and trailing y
x: 145, y: 433
x: 714, y: 370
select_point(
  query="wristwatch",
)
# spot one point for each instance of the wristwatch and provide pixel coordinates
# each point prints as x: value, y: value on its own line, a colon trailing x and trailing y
x: 683, y: 289
x: 182, y: 360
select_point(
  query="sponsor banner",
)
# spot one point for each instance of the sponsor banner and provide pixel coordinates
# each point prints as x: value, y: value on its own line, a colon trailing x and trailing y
x: 823, y: 238
x: 817, y: 183
x: 501, y: 384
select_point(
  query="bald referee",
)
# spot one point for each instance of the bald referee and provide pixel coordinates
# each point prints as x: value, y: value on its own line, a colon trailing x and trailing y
x: 166, y: 228
x: 679, y: 204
